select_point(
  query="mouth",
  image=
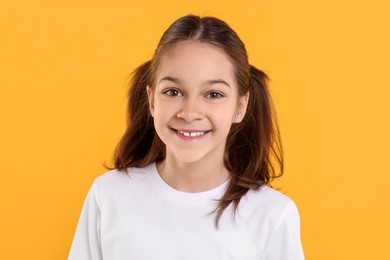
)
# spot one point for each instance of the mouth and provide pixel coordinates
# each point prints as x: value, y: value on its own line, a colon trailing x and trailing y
x: 190, y: 134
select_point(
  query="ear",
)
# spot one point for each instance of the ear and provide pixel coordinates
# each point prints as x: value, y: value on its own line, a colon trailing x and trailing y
x: 241, y: 108
x: 149, y: 91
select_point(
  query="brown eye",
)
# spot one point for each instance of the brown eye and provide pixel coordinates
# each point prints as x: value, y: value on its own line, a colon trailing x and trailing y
x: 172, y: 93
x: 214, y: 95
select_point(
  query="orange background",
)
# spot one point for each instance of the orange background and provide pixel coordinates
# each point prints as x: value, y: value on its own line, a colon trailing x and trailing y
x: 64, y: 66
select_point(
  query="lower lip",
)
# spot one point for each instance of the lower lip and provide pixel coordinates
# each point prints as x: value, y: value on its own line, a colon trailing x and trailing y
x: 189, y: 138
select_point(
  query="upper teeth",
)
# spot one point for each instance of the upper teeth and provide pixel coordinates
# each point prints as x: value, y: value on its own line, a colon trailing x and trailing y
x: 191, y: 134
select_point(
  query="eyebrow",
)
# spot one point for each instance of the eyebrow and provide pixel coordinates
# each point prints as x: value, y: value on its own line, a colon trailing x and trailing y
x: 207, y: 82
x: 217, y: 81
x: 168, y: 78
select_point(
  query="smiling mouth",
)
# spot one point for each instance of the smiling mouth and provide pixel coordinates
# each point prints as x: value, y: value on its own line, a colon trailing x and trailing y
x: 191, y: 134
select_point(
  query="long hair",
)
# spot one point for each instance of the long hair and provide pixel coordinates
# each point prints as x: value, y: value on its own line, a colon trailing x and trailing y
x: 253, y: 152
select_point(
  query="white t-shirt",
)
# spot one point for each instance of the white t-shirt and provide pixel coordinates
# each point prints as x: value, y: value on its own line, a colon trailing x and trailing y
x: 139, y: 216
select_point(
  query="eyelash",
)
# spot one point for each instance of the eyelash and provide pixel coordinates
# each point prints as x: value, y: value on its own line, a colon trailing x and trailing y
x: 173, y: 93
x: 214, y: 95
x: 177, y: 93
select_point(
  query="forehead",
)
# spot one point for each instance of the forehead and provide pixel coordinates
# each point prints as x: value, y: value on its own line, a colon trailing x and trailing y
x: 195, y: 60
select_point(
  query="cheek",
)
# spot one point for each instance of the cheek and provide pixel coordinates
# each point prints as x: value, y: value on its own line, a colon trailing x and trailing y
x: 224, y: 118
x: 159, y: 122
x: 162, y: 112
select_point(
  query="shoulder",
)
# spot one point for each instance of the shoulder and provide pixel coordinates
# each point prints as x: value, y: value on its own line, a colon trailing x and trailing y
x: 268, y: 197
x: 113, y: 177
x: 116, y: 182
x: 268, y: 204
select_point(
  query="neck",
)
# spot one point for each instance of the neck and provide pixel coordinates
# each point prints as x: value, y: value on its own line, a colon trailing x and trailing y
x: 194, y: 176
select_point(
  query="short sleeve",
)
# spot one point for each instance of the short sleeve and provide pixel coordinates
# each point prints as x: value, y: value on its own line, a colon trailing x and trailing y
x: 86, y: 243
x: 285, y: 243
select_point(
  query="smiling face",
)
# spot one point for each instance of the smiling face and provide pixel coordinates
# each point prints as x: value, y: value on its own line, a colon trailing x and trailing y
x: 195, y: 101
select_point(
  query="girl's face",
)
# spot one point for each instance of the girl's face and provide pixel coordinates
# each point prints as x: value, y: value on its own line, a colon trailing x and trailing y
x: 195, y: 101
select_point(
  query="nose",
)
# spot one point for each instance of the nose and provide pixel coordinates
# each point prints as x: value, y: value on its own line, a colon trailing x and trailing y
x: 190, y: 110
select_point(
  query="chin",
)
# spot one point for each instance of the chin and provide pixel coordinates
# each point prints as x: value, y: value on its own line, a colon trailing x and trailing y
x: 189, y: 157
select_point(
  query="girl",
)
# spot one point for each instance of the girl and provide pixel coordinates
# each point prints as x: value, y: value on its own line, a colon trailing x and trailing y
x: 192, y: 172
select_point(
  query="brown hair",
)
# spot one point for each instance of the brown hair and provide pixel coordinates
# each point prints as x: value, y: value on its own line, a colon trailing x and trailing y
x: 253, y: 149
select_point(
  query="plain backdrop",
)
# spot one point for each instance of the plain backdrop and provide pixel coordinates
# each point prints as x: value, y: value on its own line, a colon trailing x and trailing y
x: 63, y: 72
